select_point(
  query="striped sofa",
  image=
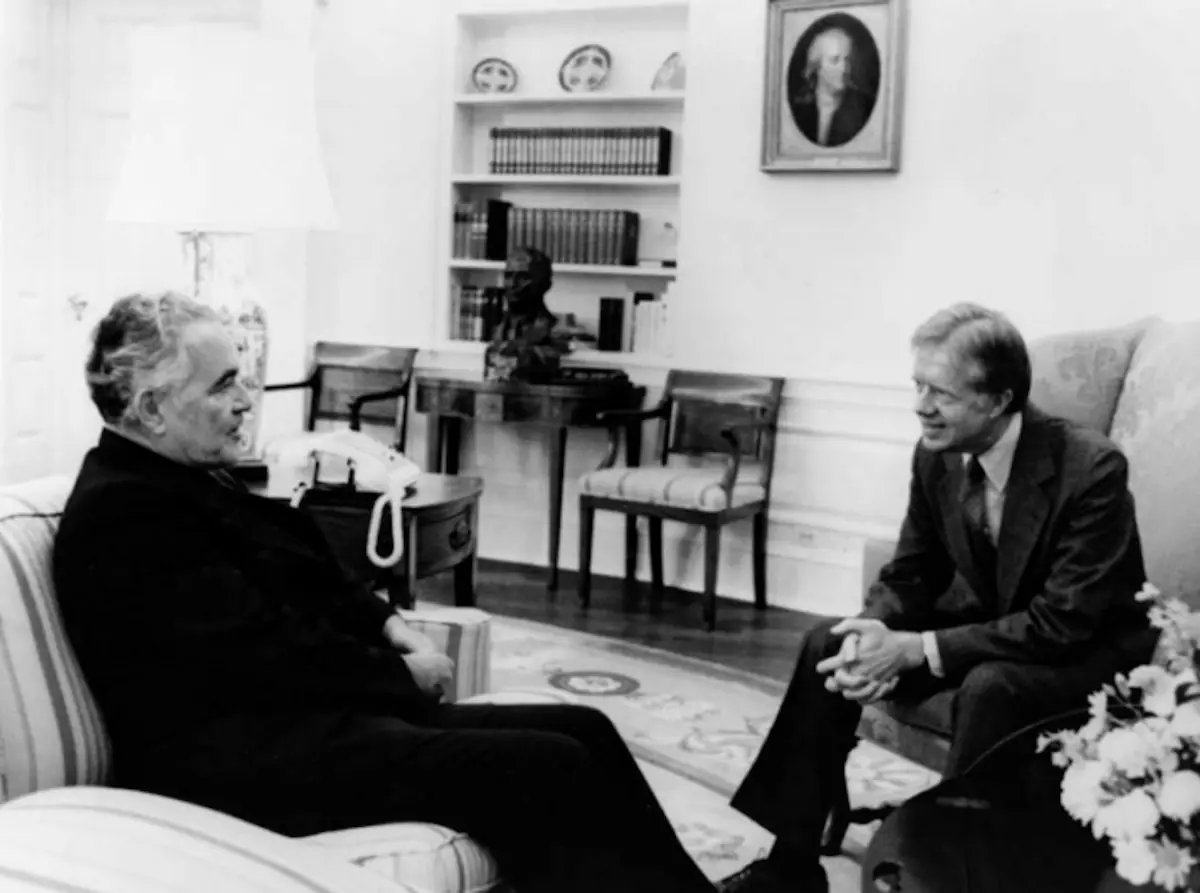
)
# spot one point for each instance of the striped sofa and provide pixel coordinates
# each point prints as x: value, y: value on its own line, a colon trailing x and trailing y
x: 60, y: 829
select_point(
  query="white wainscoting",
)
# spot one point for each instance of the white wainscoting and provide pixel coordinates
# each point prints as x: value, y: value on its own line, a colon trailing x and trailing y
x: 841, y: 477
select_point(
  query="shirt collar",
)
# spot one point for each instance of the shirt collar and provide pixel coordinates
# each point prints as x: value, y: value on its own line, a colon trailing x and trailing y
x: 998, y: 459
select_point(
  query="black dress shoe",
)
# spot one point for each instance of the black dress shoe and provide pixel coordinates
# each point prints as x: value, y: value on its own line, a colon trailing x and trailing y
x: 762, y: 876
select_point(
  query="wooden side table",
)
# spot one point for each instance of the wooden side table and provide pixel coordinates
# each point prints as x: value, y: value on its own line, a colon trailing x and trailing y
x: 441, y: 523
x: 449, y: 401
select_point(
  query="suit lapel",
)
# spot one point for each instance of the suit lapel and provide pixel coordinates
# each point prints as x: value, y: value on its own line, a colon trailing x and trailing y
x: 1026, y: 507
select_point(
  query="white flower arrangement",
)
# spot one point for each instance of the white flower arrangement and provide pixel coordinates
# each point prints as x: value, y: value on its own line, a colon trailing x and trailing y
x: 1133, y: 770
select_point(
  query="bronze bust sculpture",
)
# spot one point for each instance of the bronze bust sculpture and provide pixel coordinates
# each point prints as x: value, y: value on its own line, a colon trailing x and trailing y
x: 523, y: 345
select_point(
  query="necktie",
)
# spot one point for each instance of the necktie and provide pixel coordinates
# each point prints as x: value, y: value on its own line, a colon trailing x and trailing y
x: 978, y: 528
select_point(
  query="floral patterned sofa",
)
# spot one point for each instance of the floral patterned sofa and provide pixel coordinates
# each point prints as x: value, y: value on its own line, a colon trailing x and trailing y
x: 1140, y: 384
x: 61, y: 829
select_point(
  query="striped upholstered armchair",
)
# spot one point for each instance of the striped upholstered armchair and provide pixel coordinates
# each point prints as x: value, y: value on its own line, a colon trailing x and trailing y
x: 60, y: 828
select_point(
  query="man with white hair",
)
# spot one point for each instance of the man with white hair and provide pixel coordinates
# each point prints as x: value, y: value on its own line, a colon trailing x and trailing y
x: 830, y: 109
x: 236, y: 667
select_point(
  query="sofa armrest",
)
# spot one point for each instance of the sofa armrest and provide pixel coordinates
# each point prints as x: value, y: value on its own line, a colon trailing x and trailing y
x: 94, y: 839
x: 876, y: 553
x: 465, y: 635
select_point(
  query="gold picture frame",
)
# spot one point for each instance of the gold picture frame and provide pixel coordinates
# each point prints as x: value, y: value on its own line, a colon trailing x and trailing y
x: 834, y: 85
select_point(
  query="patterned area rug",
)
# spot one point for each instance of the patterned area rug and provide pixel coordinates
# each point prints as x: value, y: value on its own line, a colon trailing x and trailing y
x: 695, y: 728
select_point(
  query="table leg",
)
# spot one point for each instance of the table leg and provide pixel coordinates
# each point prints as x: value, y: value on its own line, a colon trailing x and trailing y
x: 434, y: 435
x: 410, y: 562
x: 453, y: 425
x: 464, y: 571
x: 558, y: 452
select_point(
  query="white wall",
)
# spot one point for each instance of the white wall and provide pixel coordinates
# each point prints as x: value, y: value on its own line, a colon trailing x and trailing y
x: 1048, y: 168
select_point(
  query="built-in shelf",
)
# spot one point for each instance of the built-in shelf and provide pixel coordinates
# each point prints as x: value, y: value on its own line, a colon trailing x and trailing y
x: 504, y: 100
x: 584, y: 180
x: 540, y: 9
x: 575, y: 269
x: 579, y: 357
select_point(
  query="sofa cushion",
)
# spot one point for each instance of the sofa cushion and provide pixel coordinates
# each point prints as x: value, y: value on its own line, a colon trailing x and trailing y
x: 1079, y: 375
x: 465, y: 634
x: 1157, y: 424
x: 688, y: 488
x: 50, y: 729
x: 100, y: 840
x: 429, y: 857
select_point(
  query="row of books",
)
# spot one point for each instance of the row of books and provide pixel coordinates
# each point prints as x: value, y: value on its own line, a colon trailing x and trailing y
x: 649, y: 332
x: 571, y: 236
x: 475, y: 311
x: 631, y: 151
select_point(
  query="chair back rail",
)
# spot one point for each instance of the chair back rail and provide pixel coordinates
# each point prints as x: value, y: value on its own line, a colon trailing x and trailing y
x: 701, y: 405
x: 342, y: 373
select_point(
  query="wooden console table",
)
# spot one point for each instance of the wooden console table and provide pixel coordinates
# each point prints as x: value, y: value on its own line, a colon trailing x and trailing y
x: 441, y: 521
x: 449, y: 401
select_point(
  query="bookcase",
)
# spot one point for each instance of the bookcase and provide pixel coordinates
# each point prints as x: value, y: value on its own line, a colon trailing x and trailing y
x: 589, y: 177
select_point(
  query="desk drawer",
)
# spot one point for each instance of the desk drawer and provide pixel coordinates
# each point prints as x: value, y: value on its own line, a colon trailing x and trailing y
x: 444, y: 542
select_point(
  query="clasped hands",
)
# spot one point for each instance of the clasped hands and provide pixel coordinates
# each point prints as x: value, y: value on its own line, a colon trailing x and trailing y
x: 432, y: 670
x: 871, y: 660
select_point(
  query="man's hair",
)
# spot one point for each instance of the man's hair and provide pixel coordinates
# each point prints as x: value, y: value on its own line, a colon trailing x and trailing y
x: 986, y: 339
x: 817, y: 50
x: 137, y: 346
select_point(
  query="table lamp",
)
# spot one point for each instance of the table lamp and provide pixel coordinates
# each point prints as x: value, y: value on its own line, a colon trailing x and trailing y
x: 223, y: 143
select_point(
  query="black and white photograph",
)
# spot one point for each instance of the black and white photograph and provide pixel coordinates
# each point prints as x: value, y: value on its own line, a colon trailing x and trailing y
x: 832, y: 85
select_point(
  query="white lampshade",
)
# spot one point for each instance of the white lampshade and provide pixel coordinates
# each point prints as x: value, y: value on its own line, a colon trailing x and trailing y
x: 223, y: 133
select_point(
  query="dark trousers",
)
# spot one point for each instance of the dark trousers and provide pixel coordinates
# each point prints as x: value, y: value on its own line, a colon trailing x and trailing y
x: 790, y: 788
x: 550, y: 790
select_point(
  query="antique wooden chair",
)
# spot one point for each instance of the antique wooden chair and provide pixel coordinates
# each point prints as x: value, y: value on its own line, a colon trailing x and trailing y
x: 702, y: 417
x: 358, y: 383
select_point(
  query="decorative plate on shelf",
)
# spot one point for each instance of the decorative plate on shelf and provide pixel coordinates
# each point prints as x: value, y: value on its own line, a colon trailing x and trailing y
x: 494, y: 76
x: 671, y: 75
x: 585, y: 69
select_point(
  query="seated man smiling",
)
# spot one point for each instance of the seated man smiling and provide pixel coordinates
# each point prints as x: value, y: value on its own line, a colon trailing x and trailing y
x: 1013, y: 586
x: 235, y: 667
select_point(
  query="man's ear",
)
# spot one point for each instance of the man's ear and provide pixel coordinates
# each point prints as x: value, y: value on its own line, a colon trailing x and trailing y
x: 1003, y: 400
x: 147, y: 408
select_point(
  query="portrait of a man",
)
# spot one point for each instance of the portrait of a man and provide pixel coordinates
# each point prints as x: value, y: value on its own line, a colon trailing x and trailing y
x: 832, y: 90
x: 832, y: 80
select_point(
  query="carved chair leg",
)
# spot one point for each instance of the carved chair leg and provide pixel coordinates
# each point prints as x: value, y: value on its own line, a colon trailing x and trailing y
x: 712, y: 560
x: 760, y: 560
x: 656, y: 563
x: 587, y: 517
x: 629, y: 594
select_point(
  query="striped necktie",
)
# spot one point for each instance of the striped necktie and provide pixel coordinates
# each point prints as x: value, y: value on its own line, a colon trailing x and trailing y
x: 974, y: 504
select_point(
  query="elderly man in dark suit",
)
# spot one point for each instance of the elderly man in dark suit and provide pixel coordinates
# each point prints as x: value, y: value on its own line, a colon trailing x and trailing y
x: 235, y: 667
x: 1013, y: 584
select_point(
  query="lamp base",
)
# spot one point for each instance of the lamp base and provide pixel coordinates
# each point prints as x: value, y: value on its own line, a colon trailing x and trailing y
x: 218, y: 265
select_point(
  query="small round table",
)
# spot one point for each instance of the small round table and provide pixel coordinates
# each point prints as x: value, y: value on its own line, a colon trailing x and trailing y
x: 982, y: 835
x: 441, y: 518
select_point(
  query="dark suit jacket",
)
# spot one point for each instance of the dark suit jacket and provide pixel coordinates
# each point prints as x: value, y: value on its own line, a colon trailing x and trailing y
x: 1069, y: 560
x: 194, y: 609
x: 848, y: 120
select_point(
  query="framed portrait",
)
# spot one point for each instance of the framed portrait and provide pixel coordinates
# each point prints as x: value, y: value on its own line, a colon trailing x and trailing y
x: 833, y: 92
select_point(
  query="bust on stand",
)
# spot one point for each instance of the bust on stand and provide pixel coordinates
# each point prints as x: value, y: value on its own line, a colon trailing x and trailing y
x: 523, y: 346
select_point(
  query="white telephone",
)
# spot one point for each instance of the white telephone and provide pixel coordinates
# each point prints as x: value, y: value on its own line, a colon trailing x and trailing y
x: 369, y: 463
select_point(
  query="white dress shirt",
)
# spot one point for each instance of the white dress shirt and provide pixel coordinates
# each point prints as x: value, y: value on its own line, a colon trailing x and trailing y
x: 997, y: 466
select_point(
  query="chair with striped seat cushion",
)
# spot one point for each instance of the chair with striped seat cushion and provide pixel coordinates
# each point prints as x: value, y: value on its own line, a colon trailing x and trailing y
x: 688, y: 488
x: 715, y: 458
x: 52, y: 735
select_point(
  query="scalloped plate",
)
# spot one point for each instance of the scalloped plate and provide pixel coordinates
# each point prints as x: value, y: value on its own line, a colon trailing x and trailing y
x: 494, y: 75
x: 585, y: 69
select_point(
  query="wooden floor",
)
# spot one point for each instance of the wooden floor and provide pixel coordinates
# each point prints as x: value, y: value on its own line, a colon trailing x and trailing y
x: 763, y: 642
